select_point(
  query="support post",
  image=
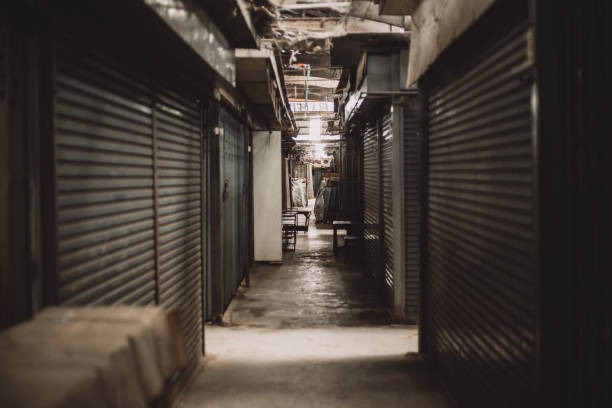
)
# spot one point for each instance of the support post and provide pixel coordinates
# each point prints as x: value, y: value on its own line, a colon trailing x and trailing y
x: 399, y: 234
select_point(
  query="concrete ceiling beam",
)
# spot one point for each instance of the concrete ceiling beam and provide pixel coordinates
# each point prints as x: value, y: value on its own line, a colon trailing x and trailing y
x: 398, y: 7
x: 437, y: 23
x: 324, y: 27
x: 317, y: 5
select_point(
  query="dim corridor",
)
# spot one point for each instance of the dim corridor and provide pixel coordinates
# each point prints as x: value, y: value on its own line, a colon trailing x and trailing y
x: 312, y: 332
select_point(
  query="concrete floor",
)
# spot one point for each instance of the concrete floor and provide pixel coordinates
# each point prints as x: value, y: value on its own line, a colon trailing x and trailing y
x: 312, y: 333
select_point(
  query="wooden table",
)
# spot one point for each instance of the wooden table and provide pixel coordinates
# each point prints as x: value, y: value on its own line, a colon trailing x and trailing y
x: 297, y: 226
x: 306, y: 214
x: 343, y: 225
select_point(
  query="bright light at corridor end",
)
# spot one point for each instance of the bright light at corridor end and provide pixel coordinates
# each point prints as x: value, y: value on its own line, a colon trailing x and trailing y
x: 315, y: 128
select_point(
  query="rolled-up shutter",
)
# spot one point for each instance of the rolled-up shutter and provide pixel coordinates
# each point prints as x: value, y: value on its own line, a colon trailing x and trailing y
x: 481, y: 239
x: 371, y: 197
x: 386, y: 143
x: 128, y: 189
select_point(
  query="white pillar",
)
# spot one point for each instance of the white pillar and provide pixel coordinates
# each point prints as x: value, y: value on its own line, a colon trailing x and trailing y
x: 267, y: 198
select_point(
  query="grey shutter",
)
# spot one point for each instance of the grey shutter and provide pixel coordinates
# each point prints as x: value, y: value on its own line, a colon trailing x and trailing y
x: 128, y: 189
x: 412, y: 216
x: 234, y: 223
x: 179, y: 208
x: 386, y: 143
x: 104, y: 182
x: 371, y: 197
x: 481, y: 239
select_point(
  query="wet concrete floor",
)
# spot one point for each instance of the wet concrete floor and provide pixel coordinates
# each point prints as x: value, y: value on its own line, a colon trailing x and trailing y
x: 312, y: 332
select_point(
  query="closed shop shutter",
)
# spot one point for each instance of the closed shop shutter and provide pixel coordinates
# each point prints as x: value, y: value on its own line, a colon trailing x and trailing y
x: 350, y: 183
x: 371, y: 197
x: 128, y: 190
x: 104, y: 182
x: 179, y: 209
x: 387, y: 203
x: 412, y: 218
x: 481, y: 245
x: 234, y: 220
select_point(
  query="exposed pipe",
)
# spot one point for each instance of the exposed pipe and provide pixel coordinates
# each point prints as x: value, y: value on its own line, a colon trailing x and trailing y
x: 316, y: 5
x: 265, y: 10
x: 307, y: 78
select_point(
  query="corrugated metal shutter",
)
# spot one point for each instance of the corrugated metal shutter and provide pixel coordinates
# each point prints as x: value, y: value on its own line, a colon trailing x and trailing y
x: 128, y: 190
x: 350, y: 183
x: 371, y: 197
x: 481, y: 246
x: 387, y: 203
x: 179, y: 209
x: 412, y: 216
x: 104, y: 185
x: 233, y: 213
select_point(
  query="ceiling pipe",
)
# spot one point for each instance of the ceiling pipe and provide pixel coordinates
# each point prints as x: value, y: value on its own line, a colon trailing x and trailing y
x: 315, y: 5
x: 307, y: 78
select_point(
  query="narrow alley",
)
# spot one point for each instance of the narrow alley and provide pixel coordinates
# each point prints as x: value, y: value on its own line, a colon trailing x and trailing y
x: 312, y: 332
x: 305, y: 203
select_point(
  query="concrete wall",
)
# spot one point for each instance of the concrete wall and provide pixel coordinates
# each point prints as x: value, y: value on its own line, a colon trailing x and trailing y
x: 267, y: 198
x: 435, y: 25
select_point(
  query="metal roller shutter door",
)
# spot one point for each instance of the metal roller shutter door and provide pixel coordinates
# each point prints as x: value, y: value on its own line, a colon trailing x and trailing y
x: 351, y: 179
x: 104, y: 183
x: 354, y: 176
x: 128, y: 190
x: 481, y: 244
x: 412, y: 217
x: 387, y: 203
x: 233, y: 212
x: 371, y: 197
x: 179, y: 208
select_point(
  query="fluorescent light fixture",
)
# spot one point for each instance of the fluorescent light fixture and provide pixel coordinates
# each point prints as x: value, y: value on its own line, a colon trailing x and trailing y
x: 320, y: 106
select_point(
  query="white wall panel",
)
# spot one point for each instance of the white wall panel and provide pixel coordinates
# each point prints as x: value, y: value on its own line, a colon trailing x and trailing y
x: 267, y: 196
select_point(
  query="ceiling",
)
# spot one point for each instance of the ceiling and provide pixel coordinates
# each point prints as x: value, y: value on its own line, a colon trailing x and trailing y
x: 303, y: 32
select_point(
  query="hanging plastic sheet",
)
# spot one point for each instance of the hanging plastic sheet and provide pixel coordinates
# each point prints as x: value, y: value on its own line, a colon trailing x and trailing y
x: 319, y: 208
x: 298, y: 191
x: 326, y: 206
x: 309, y: 186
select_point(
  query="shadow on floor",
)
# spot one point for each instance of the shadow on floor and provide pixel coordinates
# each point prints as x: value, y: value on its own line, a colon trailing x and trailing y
x: 389, y: 381
x: 312, y: 332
